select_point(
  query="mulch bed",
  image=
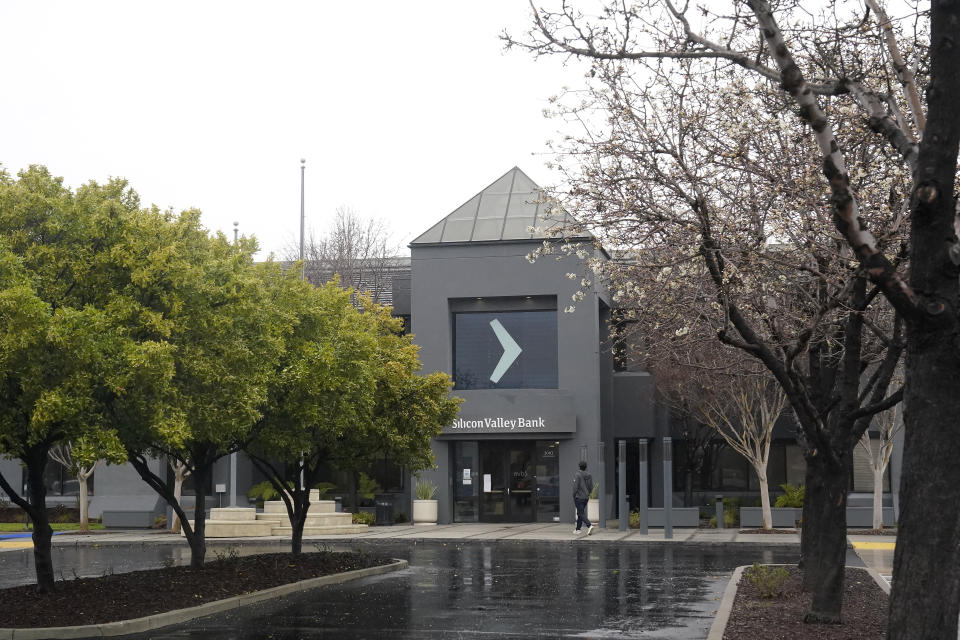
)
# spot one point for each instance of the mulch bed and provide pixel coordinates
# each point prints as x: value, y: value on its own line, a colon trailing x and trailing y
x: 864, y: 612
x: 127, y: 596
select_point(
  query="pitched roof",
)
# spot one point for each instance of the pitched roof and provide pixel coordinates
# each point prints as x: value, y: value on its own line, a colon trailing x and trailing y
x: 503, y: 211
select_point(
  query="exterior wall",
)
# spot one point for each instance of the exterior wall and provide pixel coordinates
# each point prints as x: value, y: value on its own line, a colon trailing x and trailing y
x: 13, y: 473
x: 478, y: 270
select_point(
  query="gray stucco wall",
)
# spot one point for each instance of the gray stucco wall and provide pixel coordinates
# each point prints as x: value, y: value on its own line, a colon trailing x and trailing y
x: 478, y: 270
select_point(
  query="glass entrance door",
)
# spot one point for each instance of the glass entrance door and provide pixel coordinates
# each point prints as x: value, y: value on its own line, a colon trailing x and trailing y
x: 506, y: 481
x: 494, y: 506
x: 509, y: 485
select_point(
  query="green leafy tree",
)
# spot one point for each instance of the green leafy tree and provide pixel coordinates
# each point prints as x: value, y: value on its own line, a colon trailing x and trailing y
x: 215, y: 316
x: 61, y: 350
x: 343, y: 368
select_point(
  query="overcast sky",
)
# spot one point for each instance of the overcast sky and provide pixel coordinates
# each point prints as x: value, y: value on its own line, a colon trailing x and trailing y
x: 403, y: 110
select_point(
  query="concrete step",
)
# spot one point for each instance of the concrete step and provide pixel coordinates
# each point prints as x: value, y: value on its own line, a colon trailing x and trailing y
x: 320, y: 519
x: 236, y: 528
x: 322, y: 530
x: 233, y: 513
x: 316, y: 506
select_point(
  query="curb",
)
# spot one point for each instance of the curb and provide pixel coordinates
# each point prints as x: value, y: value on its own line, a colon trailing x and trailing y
x: 138, y: 625
x: 719, y: 625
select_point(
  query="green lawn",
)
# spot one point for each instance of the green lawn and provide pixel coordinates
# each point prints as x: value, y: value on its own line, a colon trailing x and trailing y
x: 56, y: 526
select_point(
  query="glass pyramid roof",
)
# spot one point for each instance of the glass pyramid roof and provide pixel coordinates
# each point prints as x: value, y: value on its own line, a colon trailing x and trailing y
x: 506, y: 210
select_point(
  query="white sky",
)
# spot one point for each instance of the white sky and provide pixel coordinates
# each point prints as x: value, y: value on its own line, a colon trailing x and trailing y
x: 403, y: 110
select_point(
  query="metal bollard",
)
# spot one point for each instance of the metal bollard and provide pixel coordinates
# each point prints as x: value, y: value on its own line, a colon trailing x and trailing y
x: 719, y: 510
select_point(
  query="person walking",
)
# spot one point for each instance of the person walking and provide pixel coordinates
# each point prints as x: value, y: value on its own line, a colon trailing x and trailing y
x: 582, y: 487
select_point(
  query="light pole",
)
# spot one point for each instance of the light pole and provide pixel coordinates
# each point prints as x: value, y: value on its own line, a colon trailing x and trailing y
x: 303, y: 265
x: 233, y: 456
x: 303, y: 270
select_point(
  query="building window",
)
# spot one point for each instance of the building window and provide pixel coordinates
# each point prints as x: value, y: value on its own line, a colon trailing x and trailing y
x: 189, y: 485
x: 505, y: 350
x: 60, y: 482
x: 727, y: 470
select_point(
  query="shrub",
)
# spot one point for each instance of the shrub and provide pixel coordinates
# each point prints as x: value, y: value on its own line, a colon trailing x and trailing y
x: 731, y: 519
x: 400, y: 518
x: 263, y: 492
x: 364, y: 518
x: 792, y: 496
x: 635, y: 519
x: 425, y: 489
x: 324, y: 488
x: 593, y: 492
x: 768, y: 580
x: 732, y: 504
x: 367, y: 488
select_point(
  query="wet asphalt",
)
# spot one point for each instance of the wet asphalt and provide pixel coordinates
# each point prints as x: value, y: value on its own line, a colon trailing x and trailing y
x: 466, y: 590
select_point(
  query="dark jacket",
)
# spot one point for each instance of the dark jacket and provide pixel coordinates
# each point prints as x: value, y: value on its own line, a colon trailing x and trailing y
x: 582, y: 485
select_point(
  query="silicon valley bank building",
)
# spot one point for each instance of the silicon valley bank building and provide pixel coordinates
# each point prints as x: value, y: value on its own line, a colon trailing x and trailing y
x: 538, y: 384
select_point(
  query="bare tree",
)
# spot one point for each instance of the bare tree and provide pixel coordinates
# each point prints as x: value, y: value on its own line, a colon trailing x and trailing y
x: 853, y: 55
x: 714, y: 213
x: 888, y: 424
x: 180, y: 473
x: 81, y: 458
x: 744, y: 409
x: 357, y: 250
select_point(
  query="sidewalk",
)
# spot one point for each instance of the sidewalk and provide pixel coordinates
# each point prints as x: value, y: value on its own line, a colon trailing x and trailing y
x: 553, y: 532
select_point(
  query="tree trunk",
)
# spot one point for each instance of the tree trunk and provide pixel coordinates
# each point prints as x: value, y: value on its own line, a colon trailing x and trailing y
x: 84, y: 502
x: 42, y: 533
x: 925, y: 600
x: 824, y: 537
x: 198, y: 543
x: 296, y: 538
x: 878, y: 496
x: 764, y: 496
x: 177, y: 493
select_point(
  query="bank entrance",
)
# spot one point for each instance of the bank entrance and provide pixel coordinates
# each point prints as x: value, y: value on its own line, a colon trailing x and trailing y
x: 506, y: 481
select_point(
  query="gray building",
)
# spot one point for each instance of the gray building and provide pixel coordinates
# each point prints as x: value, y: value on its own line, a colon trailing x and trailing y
x: 538, y: 382
x: 541, y: 390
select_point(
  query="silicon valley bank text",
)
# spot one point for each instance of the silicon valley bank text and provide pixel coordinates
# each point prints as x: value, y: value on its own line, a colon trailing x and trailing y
x: 503, y: 424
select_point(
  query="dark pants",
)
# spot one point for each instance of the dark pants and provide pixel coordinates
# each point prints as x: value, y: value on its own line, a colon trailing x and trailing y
x: 581, y: 513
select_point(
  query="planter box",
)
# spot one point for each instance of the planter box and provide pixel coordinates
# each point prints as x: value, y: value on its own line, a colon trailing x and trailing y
x: 857, y: 517
x: 783, y: 517
x: 862, y: 517
x: 127, y: 519
x: 686, y: 517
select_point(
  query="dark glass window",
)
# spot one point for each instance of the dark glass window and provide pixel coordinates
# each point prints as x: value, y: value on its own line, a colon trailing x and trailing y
x: 484, y: 345
x: 59, y: 481
x: 727, y: 470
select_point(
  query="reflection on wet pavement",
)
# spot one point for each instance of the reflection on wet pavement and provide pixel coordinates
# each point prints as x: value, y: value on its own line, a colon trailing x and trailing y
x: 505, y: 590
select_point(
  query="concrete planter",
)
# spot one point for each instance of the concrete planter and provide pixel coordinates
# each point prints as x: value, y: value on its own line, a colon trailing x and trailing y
x: 424, y: 512
x: 783, y: 517
x: 862, y: 517
x: 857, y: 517
x: 681, y: 517
x: 593, y: 510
